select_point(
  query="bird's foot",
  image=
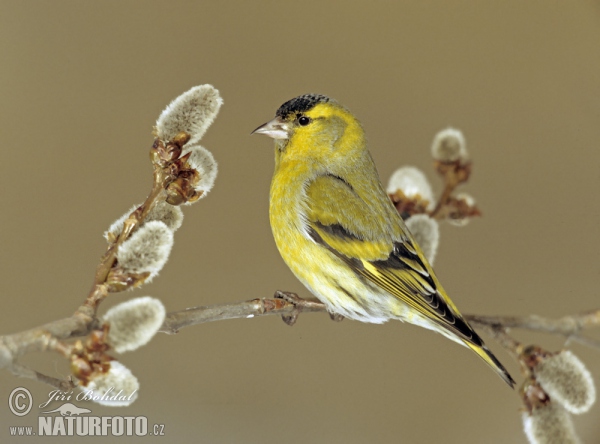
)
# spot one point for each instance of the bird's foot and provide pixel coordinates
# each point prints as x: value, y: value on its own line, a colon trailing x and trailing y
x: 293, y: 299
x: 300, y: 305
x: 336, y: 317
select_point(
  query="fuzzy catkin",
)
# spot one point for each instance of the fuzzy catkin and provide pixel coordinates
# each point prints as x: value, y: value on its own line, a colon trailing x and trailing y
x: 426, y: 232
x: 117, y: 226
x: 147, y: 250
x: 549, y: 424
x: 193, y: 112
x: 134, y: 323
x: 204, y: 162
x: 566, y: 379
x: 106, y: 385
x: 162, y: 211
x: 467, y: 198
x: 170, y: 215
x: 449, y: 145
x: 470, y: 201
x: 412, y: 182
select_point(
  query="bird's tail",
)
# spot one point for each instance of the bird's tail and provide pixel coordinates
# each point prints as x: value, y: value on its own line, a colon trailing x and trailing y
x: 484, y: 353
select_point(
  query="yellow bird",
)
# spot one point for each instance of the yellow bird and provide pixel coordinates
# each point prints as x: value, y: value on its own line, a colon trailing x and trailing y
x: 339, y: 232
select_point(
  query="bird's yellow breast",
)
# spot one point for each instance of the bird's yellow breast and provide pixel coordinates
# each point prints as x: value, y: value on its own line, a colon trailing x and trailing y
x: 286, y: 210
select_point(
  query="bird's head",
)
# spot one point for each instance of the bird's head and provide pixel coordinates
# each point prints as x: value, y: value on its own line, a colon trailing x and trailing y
x: 314, y: 126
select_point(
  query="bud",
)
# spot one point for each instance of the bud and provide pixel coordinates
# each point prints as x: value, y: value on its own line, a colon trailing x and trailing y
x: 5, y: 357
x: 463, y: 210
x: 426, y: 232
x: 413, y: 184
x: 202, y: 161
x: 89, y: 358
x: 181, y: 139
x: 466, y: 198
x: 162, y: 211
x: 192, y: 112
x: 449, y: 146
x: 116, y: 388
x: 147, y: 250
x: 133, y: 323
x: 116, y: 227
x: 549, y: 424
x: 181, y: 190
x: 566, y: 379
x: 170, y: 215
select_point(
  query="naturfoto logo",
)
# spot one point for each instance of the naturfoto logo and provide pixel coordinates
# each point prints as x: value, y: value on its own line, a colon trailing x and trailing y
x: 69, y: 419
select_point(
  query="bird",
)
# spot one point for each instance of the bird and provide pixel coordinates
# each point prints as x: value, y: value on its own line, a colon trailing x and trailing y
x: 339, y: 233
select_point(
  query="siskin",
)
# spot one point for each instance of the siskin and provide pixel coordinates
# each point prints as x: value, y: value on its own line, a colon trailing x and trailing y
x: 339, y: 233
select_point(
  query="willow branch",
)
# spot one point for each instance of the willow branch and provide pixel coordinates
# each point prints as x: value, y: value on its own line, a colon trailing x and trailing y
x: 177, y: 320
x: 496, y: 326
x: 21, y: 371
x: 288, y: 306
x: 568, y: 326
x: 39, y: 339
x: 99, y: 290
x: 84, y: 320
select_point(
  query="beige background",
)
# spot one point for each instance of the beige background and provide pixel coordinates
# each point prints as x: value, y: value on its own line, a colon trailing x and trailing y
x: 81, y: 84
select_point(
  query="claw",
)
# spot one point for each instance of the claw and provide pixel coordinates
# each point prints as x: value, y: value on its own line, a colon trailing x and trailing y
x: 288, y: 296
x: 336, y: 317
x: 299, y: 305
x: 293, y: 299
x: 290, y: 319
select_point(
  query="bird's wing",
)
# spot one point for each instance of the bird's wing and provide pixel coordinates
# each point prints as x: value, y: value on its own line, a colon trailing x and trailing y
x: 361, y: 231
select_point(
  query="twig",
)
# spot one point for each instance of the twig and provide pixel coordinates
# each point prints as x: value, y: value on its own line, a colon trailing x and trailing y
x: 78, y: 325
x: 63, y: 385
x: 453, y: 173
x: 84, y: 320
x: 99, y: 290
x: 592, y: 343
x: 177, y: 320
x: 566, y: 325
x: 496, y: 326
x: 569, y: 326
x: 39, y: 338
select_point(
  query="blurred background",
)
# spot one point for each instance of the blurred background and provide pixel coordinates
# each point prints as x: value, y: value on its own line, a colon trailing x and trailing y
x: 81, y: 85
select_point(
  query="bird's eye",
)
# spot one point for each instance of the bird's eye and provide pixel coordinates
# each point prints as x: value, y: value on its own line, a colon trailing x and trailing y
x: 303, y: 121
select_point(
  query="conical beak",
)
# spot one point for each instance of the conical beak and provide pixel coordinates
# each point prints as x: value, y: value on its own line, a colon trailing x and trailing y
x: 276, y: 129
